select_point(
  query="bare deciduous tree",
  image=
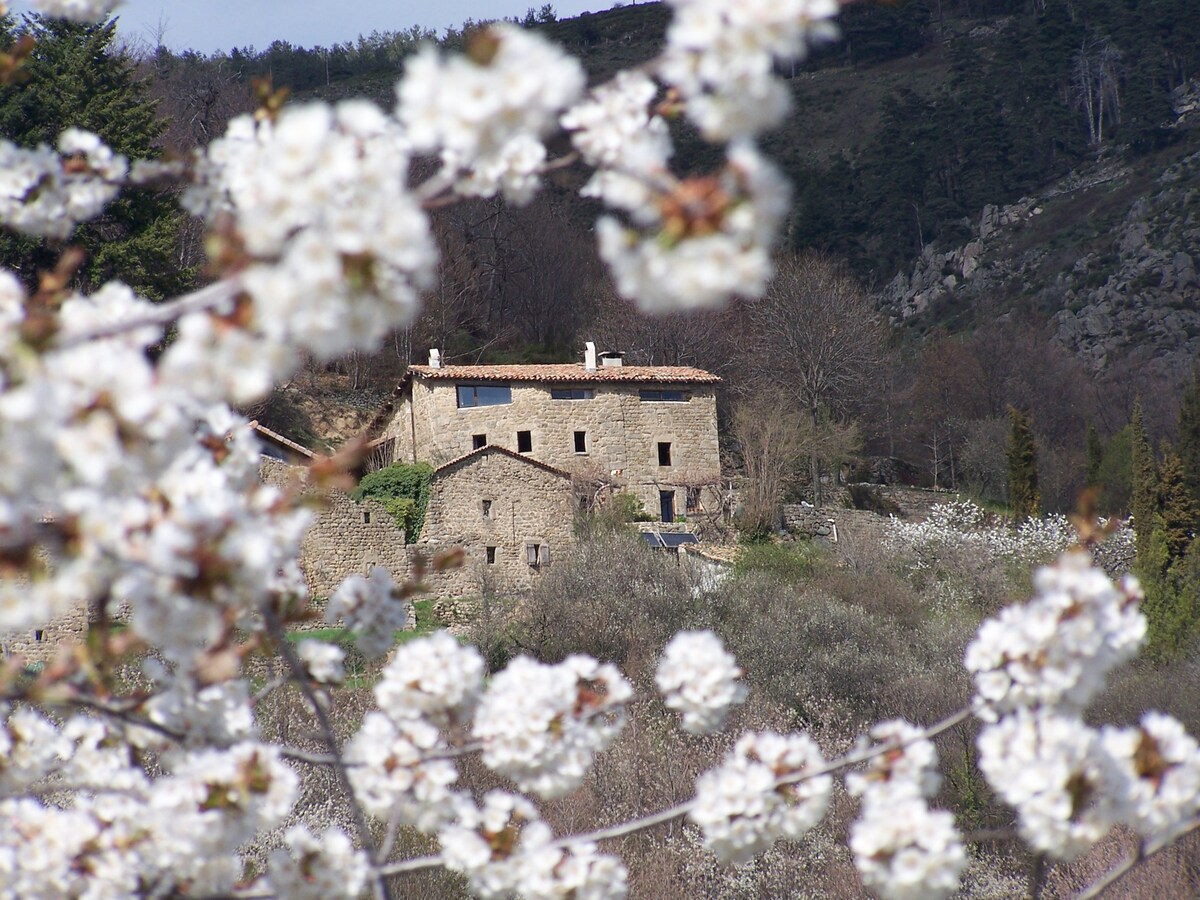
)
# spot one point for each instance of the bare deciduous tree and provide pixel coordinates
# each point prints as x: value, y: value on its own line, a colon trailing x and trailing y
x: 817, y: 341
x: 768, y: 434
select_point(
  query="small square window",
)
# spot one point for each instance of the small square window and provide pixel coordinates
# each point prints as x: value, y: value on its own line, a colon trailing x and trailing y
x: 478, y: 441
x: 524, y: 441
x: 487, y: 510
x: 664, y: 453
x: 581, y: 442
x: 491, y: 556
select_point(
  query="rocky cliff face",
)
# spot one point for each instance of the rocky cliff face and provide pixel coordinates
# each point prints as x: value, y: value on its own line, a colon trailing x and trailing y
x: 1112, y: 254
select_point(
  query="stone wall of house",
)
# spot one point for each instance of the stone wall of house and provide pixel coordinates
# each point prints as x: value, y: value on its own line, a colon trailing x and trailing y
x: 621, y: 433
x: 42, y: 645
x: 346, y: 537
x: 493, y: 500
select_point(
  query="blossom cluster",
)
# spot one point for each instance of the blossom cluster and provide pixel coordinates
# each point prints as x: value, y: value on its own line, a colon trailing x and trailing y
x: 1037, y: 667
x: 961, y: 524
x: 46, y: 192
x: 901, y: 847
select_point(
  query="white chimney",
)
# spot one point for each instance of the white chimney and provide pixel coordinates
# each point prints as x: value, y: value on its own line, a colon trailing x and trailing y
x: 612, y: 358
x: 435, y: 358
x: 589, y: 356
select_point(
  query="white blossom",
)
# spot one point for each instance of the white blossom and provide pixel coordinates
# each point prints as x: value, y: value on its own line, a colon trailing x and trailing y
x: 1057, y: 649
x: 905, y: 851
x: 720, y: 57
x: 309, y: 867
x: 47, y: 193
x: 371, y: 608
x: 542, y: 725
x: 1057, y: 774
x: 77, y: 10
x: 396, y: 773
x: 698, y: 677
x: 323, y: 661
x: 1161, y: 766
x: 434, y: 677
x: 740, y: 807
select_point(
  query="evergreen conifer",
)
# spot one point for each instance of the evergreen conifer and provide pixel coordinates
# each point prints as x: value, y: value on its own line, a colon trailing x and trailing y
x: 1143, y: 482
x: 1023, y: 494
x: 77, y: 77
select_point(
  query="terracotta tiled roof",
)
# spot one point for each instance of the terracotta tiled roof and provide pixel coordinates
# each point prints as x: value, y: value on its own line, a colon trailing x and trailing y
x: 489, y: 448
x: 569, y: 373
x: 280, y: 439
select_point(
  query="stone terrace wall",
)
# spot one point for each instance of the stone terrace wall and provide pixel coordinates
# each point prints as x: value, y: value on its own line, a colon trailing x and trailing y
x: 828, y: 522
x: 346, y: 538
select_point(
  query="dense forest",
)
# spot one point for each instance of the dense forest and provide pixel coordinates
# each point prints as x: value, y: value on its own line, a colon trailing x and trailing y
x: 921, y: 115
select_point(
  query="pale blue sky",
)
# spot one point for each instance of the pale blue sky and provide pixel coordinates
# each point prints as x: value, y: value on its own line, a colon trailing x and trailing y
x: 208, y: 25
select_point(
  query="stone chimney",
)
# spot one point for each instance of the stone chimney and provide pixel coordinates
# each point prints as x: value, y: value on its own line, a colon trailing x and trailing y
x: 435, y: 358
x: 589, y: 357
x: 612, y: 358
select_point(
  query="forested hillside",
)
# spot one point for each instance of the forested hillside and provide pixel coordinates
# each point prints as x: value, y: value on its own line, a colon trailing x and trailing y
x: 1015, y: 186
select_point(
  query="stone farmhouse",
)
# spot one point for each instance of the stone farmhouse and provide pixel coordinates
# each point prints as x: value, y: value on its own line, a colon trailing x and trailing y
x: 518, y: 449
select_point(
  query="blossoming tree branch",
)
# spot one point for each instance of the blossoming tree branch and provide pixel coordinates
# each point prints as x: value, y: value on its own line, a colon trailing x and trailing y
x: 129, y: 486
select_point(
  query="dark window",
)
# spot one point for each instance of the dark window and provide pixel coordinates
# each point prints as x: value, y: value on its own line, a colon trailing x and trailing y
x: 533, y: 554
x: 524, y: 441
x: 491, y: 556
x: 366, y: 518
x: 664, y: 453
x: 693, y: 500
x: 581, y: 442
x: 484, y: 394
x: 572, y: 393
x: 665, y: 396
x: 38, y: 635
x: 478, y: 441
x: 487, y: 509
x: 666, y: 503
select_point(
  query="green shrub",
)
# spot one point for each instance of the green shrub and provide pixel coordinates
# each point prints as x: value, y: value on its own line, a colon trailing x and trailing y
x: 403, y: 490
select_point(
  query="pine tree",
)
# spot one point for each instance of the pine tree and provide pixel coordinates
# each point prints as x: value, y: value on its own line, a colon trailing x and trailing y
x: 1023, y: 494
x: 1189, y: 441
x: 1176, y: 508
x: 1143, y: 482
x: 77, y: 77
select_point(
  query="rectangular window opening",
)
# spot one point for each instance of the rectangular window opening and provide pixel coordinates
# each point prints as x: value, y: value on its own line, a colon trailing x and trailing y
x: 661, y: 396
x: 491, y: 556
x: 478, y: 441
x: 664, y: 453
x: 572, y: 393
x: 483, y: 395
x: 581, y: 442
x: 524, y: 441
x: 693, y: 500
x: 366, y: 518
x: 38, y: 635
x: 487, y: 509
x: 533, y: 554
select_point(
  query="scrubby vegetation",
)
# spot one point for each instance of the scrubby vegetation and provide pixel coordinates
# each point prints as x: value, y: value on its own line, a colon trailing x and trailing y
x: 403, y: 489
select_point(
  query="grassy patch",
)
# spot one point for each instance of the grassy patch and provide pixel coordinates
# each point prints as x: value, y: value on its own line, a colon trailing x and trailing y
x: 785, y: 562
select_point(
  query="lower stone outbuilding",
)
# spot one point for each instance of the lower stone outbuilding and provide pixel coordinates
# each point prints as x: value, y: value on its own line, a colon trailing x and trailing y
x: 510, y: 514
